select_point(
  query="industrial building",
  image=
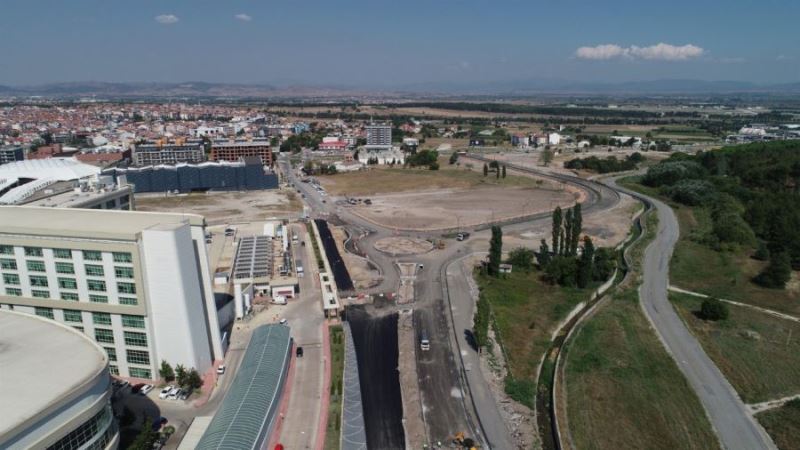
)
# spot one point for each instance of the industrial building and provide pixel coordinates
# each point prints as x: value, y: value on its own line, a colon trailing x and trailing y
x: 161, y: 152
x: 243, y: 175
x: 61, y: 182
x: 56, y: 387
x: 233, y: 150
x: 137, y: 283
x: 11, y: 153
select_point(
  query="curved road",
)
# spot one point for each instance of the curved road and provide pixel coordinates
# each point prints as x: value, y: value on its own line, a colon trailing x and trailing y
x: 733, y: 423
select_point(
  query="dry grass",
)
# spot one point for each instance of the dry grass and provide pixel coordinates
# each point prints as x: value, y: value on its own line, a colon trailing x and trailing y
x: 758, y: 353
x: 783, y: 425
x: 625, y: 391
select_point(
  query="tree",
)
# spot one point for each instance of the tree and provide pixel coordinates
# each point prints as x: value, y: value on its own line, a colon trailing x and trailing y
x: 146, y: 437
x: 577, y: 228
x: 453, y: 158
x: 495, y: 251
x: 180, y: 374
x: 561, y: 270
x: 604, y: 264
x: 485, y: 170
x: 566, y: 243
x: 433, y: 166
x: 193, y: 380
x: 166, y: 371
x: 521, y: 258
x: 497, y: 173
x: 543, y: 257
x: 762, y: 252
x: 546, y: 157
x: 586, y: 263
x: 557, y: 218
x: 777, y: 273
x: 480, y: 327
x: 714, y: 310
x: 504, y: 171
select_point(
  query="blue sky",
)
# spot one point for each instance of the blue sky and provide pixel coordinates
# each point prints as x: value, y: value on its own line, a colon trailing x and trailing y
x: 395, y: 43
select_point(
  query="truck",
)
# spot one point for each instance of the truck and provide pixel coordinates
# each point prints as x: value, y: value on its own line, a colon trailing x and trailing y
x: 424, y: 342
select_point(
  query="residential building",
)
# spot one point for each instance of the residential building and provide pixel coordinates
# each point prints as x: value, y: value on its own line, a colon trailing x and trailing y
x: 379, y: 137
x: 137, y: 283
x: 232, y: 150
x: 162, y: 152
x: 333, y: 145
x: 11, y: 153
x: 56, y: 387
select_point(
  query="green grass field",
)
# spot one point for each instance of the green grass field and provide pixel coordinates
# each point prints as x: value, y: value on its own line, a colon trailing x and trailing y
x: 758, y: 353
x: 526, y: 311
x: 334, y: 426
x: 625, y: 391
x: 783, y: 425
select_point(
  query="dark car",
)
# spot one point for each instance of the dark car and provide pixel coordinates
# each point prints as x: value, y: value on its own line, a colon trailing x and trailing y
x: 299, y: 352
x: 137, y: 387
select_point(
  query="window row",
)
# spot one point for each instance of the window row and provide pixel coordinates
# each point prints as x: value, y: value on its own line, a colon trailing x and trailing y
x: 65, y: 253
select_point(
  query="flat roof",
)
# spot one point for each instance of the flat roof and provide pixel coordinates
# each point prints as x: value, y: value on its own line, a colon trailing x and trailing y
x: 42, y: 363
x: 85, y: 223
x: 242, y: 421
x: 253, y: 258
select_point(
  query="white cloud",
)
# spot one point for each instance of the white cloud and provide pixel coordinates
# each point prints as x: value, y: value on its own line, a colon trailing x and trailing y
x: 658, y: 52
x: 784, y: 58
x: 243, y: 17
x: 167, y: 19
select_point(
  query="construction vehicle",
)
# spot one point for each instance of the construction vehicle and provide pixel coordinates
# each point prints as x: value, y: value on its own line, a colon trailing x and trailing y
x: 461, y: 441
x: 440, y: 244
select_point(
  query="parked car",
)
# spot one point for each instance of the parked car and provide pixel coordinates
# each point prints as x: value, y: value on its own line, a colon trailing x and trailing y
x: 283, y: 321
x: 174, y: 394
x: 146, y: 389
x: 165, y: 392
x: 137, y: 387
x: 299, y: 352
x: 221, y: 369
x: 185, y: 393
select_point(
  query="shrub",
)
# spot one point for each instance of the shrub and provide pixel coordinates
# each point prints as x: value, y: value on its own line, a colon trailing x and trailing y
x: 670, y: 172
x: 777, y: 273
x: 521, y: 390
x: 713, y: 309
x: 691, y: 192
x: 521, y: 258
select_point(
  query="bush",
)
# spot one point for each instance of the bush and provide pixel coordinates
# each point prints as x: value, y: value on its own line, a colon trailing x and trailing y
x: 714, y: 310
x: 692, y: 192
x: 777, y: 273
x: 521, y: 258
x: 670, y: 172
x: 521, y: 390
x: 562, y: 270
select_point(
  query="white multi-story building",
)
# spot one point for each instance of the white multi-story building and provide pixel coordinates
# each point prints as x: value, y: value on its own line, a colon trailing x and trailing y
x: 379, y: 137
x: 137, y: 283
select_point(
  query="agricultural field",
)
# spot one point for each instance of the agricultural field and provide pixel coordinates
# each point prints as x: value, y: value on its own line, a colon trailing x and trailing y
x: 758, y: 353
x: 623, y: 388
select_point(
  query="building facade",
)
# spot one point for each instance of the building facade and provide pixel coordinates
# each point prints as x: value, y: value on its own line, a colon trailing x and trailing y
x: 136, y: 283
x: 159, y: 153
x: 233, y: 150
x: 11, y: 153
x: 379, y: 136
x: 57, y: 390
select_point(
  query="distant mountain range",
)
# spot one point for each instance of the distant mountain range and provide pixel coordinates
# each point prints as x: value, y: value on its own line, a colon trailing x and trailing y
x: 196, y: 89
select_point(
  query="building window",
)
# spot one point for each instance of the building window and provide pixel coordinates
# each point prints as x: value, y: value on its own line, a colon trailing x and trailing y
x: 10, y: 278
x: 111, y: 352
x: 35, y: 266
x: 14, y: 292
x: 126, y: 288
x: 95, y: 433
x: 128, y: 301
x: 44, y: 312
x: 98, y: 298
x: 67, y: 283
x: 96, y: 285
x: 137, y: 372
x: 69, y: 296
x: 62, y: 253
x: 122, y: 257
x: 94, y: 270
x: 111, y: 204
x: 132, y: 321
x: 123, y: 272
x: 101, y: 318
x: 138, y: 357
x: 71, y: 315
x: 103, y: 335
x: 6, y: 250
x: 40, y: 294
x: 135, y: 339
x: 92, y: 255
x: 38, y: 280
x: 33, y: 251
x: 79, y: 328
x: 65, y: 268
x: 114, y: 370
x: 8, y: 264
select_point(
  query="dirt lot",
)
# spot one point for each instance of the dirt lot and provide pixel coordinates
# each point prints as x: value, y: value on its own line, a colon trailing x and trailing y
x: 452, y: 208
x: 225, y: 207
x: 363, y: 274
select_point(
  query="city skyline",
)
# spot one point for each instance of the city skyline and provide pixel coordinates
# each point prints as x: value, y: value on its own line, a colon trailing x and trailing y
x: 383, y: 45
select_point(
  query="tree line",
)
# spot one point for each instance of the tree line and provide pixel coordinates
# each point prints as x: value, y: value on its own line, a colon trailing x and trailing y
x: 605, y: 165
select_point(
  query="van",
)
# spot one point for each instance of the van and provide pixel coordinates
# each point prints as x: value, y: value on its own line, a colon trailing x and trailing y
x: 300, y: 272
x: 424, y: 343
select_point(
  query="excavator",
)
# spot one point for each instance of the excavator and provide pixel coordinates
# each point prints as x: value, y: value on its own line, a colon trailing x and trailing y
x: 461, y: 441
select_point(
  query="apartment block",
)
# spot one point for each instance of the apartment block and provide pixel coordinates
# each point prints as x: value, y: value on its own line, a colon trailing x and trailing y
x: 232, y: 150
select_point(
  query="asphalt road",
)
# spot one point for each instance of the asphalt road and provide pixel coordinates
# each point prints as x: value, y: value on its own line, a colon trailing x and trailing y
x: 734, y: 425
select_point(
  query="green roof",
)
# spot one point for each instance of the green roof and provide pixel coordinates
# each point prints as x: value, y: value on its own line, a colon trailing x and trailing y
x: 245, y: 416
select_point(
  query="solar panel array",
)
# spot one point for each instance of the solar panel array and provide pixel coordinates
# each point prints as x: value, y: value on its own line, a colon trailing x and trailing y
x: 253, y: 258
x: 244, y: 419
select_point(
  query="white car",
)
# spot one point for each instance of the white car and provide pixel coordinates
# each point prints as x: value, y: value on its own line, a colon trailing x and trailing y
x: 146, y: 389
x: 174, y: 394
x: 165, y: 392
x: 283, y: 321
x: 221, y: 369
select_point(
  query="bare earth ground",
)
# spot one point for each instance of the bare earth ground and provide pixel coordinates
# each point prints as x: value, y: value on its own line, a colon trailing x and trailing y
x: 401, y: 245
x: 225, y: 207
x: 361, y: 272
x: 450, y: 208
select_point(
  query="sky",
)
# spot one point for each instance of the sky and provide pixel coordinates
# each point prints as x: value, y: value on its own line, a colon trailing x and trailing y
x: 379, y: 43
